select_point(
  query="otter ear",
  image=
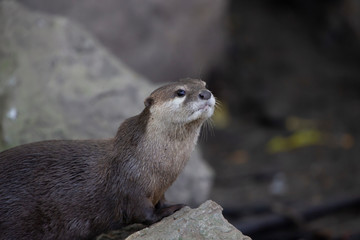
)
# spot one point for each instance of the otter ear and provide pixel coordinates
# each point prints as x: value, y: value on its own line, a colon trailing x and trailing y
x: 148, y: 102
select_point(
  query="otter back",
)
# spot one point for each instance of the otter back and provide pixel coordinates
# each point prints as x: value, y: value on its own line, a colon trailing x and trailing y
x: 42, y: 186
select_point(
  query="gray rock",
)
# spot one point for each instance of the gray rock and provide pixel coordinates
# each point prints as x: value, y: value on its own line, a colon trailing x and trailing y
x: 205, y: 222
x: 62, y: 82
x: 162, y: 40
x: 58, y: 82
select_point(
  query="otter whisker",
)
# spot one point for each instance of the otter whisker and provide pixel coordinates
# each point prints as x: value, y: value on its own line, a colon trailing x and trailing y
x: 218, y: 104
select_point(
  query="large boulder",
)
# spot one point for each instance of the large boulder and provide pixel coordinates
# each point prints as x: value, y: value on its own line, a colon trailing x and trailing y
x: 58, y: 82
x: 162, y: 40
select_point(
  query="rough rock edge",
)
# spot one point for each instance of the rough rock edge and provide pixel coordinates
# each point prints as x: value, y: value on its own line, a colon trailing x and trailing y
x: 205, y: 222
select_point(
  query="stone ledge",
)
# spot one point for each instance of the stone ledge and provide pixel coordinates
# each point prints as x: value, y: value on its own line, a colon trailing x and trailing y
x: 205, y: 222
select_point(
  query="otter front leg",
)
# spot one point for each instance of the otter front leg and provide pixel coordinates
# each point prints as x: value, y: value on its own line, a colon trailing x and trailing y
x: 150, y: 214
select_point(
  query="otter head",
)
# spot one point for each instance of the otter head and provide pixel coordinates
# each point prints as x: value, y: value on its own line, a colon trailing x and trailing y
x: 183, y: 102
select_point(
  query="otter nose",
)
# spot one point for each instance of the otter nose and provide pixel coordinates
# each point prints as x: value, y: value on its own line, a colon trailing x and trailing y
x: 205, y: 95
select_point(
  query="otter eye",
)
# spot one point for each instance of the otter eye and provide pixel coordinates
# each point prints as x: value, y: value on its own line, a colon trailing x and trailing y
x: 180, y: 93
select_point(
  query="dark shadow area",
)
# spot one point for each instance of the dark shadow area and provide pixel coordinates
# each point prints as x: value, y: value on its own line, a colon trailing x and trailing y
x: 291, y: 84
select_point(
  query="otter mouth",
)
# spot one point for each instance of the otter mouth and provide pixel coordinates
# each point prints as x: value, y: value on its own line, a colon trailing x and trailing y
x: 203, y: 108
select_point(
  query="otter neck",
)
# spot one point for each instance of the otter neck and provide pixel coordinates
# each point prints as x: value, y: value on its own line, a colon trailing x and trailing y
x: 156, y: 152
x: 167, y: 146
x: 167, y: 150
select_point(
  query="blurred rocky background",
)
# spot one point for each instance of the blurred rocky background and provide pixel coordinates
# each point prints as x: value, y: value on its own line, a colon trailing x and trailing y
x: 162, y: 40
x: 58, y: 82
x: 285, y: 145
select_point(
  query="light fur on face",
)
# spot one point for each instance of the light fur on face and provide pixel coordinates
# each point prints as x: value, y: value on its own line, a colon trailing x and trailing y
x: 180, y: 111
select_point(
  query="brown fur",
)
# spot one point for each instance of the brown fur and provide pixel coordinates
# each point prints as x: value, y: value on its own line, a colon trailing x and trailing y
x: 78, y: 189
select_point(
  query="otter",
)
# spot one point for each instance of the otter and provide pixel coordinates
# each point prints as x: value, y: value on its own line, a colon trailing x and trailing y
x: 78, y: 189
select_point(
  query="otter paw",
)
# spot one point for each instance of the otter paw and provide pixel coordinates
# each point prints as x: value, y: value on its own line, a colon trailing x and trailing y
x: 168, y: 210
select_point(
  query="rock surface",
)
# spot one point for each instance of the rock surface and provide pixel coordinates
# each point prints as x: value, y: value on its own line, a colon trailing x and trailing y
x: 205, y: 222
x: 58, y: 82
x: 162, y: 40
